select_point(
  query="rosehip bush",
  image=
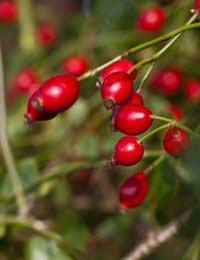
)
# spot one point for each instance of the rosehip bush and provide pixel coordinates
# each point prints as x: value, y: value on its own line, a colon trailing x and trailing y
x: 99, y: 129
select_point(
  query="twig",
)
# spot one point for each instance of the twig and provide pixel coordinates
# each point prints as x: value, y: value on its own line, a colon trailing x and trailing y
x: 40, y: 228
x: 158, y: 238
x: 26, y: 26
x: 5, y: 147
x: 155, y: 163
x: 140, y: 47
x: 145, y: 77
x: 157, y: 55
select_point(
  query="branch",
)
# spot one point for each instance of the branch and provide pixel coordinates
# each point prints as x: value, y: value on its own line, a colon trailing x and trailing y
x: 5, y: 147
x: 140, y: 47
x: 155, y: 240
x: 40, y: 228
x: 26, y: 26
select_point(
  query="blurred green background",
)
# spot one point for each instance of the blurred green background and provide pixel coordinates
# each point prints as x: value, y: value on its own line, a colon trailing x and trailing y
x: 81, y: 203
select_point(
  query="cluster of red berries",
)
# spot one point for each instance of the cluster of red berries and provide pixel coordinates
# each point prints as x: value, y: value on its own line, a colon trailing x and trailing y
x: 131, y: 117
x: 27, y: 81
x: 168, y: 81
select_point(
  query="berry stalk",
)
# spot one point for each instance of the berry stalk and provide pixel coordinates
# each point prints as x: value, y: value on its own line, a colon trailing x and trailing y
x: 6, y: 149
x: 165, y: 37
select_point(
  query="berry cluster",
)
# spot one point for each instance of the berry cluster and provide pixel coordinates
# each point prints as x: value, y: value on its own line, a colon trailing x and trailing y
x: 131, y: 117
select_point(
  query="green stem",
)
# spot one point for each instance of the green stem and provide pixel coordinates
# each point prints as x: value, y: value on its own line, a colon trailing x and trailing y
x: 155, y: 163
x: 5, y: 147
x: 140, y: 47
x: 161, y: 118
x: 145, y: 77
x: 27, y: 39
x: 40, y: 228
x: 151, y: 133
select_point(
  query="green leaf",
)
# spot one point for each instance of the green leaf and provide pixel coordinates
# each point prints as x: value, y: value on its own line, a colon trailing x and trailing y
x: 39, y: 248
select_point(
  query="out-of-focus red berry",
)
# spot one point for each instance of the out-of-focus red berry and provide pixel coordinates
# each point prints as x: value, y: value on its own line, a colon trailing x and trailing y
x: 175, y: 111
x: 197, y: 4
x: 151, y: 19
x: 8, y: 11
x: 26, y: 82
x: 192, y: 89
x: 75, y: 65
x: 46, y: 35
x: 168, y: 81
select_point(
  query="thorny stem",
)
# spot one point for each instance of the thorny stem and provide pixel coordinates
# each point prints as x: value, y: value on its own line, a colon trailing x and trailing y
x: 155, y: 239
x: 5, y: 147
x: 140, y: 47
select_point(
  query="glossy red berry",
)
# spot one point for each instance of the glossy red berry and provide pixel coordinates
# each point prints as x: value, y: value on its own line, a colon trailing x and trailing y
x: 176, y: 141
x: 121, y: 65
x: 192, y: 89
x: 168, y: 81
x: 46, y: 35
x: 197, y: 4
x: 151, y: 19
x: 132, y: 119
x: 33, y: 114
x: 58, y: 93
x: 116, y: 89
x: 133, y: 191
x: 8, y: 11
x: 175, y: 111
x: 135, y: 99
x: 75, y: 65
x: 26, y: 82
x: 128, y: 151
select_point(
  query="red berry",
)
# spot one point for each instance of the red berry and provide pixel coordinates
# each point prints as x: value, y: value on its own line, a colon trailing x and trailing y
x: 121, y: 65
x: 136, y: 99
x: 175, y: 111
x: 197, y: 4
x: 58, y: 93
x: 33, y: 114
x: 192, y: 89
x: 132, y: 119
x: 168, y: 81
x: 75, y: 65
x: 8, y: 11
x: 176, y: 141
x: 46, y: 35
x: 151, y: 19
x: 128, y: 151
x: 116, y: 89
x: 133, y: 191
x: 26, y: 82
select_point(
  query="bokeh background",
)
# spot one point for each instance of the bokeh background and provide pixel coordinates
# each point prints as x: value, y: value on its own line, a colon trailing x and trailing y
x: 81, y: 203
